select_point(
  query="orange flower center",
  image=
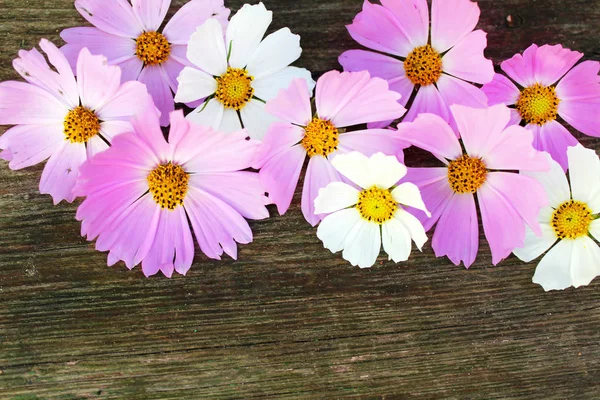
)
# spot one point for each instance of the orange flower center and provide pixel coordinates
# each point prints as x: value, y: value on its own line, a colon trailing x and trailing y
x: 152, y: 48
x: 466, y: 174
x: 423, y: 66
x: 81, y: 125
x: 168, y: 184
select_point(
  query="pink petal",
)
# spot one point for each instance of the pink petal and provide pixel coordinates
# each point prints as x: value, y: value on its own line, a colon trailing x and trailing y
x: 351, y: 98
x: 96, y: 81
x: 110, y: 129
x: 279, y: 176
x: 61, y: 171
x: 452, y: 20
x: 116, y: 49
x: 280, y: 137
x: 319, y: 174
x: 191, y: 15
x: 31, y: 144
x: 112, y: 16
x: 157, y: 83
x: 131, y: 69
x: 23, y: 103
x: 501, y: 90
x: 430, y: 132
x: 413, y: 17
x: 130, y: 99
x: 552, y: 62
x: 435, y: 191
x: 505, y: 211
x: 466, y: 60
x: 520, y: 67
x: 377, y: 28
x: 292, y: 104
x: 241, y: 190
x: 371, y: 141
x: 456, y: 91
x: 555, y: 139
x: 457, y: 231
x: 150, y: 13
x: 428, y: 100
x: 95, y: 146
x: 479, y: 128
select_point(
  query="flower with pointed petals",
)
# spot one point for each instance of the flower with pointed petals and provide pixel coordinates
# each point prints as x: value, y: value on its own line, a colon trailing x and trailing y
x: 545, y: 84
x: 239, y: 73
x: 62, y: 118
x: 572, y: 220
x: 342, y: 100
x: 435, y: 62
x: 143, y: 192
x: 508, y: 201
x: 359, y: 218
x: 128, y: 35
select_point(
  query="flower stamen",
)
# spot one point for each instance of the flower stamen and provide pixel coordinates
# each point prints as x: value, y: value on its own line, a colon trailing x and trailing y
x: 423, y: 66
x: 321, y: 138
x: 376, y: 205
x: 538, y: 104
x: 466, y: 174
x: 152, y: 48
x: 572, y: 220
x: 168, y: 184
x: 234, y: 88
x: 81, y: 124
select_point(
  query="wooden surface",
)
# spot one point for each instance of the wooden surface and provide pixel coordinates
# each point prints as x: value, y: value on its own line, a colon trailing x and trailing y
x: 289, y: 319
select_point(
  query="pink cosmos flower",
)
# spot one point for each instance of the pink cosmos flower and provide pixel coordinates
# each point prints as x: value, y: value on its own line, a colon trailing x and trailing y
x: 437, y: 60
x: 142, y: 194
x: 128, y: 35
x: 64, y: 119
x: 494, y: 152
x: 548, y: 86
x: 341, y: 100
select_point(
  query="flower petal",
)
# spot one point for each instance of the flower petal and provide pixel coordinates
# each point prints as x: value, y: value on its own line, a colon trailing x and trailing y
x: 61, y: 171
x: 208, y: 114
x: 23, y: 103
x: 396, y: 240
x: 96, y: 81
x: 456, y: 91
x: 274, y: 53
x: 156, y: 80
x: 414, y: 227
x: 371, y: 141
x: 292, y: 104
x: 319, y: 174
x: 428, y: 100
x: 554, y: 270
x: 112, y: 16
x: 245, y: 32
x: 207, y: 50
x: 130, y: 99
x: 334, y: 197
x: 279, y: 138
x: 413, y: 17
x: 192, y: 14
x: 595, y: 229
x: 334, y: 228
x: 452, y: 20
x: 150, y: 13
x: 554, y: 139
x: 408, y: 194
x: 256, y: 119
x: 32, y: 144
x: 534, y: 245
x: 355, y: 167
x: 268, y: 88
x: 431, y: 133
x: 554, y: 182
x: 435, y: 192
x: 501, y: 90
x: 466, y: 60
x: 363, y: 244
x: 194, y: 84
x: 584, y: 175
x: 552, y: 62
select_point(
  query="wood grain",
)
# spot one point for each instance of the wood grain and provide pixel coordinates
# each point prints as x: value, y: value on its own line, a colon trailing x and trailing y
x: 289, y: 319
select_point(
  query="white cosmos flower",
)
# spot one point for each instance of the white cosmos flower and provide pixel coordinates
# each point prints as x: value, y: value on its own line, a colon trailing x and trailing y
x: 359, y: 219
x: 237, y: 74
x: 570, y: 224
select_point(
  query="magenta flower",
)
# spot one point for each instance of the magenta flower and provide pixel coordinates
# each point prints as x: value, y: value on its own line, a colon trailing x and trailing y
x: 494, y: 152
x: 437, y: 60
x: 548, y: 86
x: 64, y: 119
x: 342, y: 100
x: 128, y: 35
x: 141, y: 193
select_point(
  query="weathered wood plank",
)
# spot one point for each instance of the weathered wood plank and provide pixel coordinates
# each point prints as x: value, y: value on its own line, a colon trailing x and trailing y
x: 289, y: 320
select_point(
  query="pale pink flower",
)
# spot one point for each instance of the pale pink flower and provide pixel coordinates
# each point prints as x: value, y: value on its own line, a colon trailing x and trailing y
x: 341, y: 100
x: 436, y: 60
x: 62, y: 118
x: 508, y: 201
x: 128, y: 35
x: 142, y: 194
x: 545, y: 84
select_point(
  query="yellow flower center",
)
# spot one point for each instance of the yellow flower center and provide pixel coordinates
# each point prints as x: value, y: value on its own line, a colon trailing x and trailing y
x: 152, y: 48
x: 538, y: 104
x: 81, y: 125
x: 423, y: 66
x: 168, y: 184
x: 466, y: 174
x: 571, y: 220
x: 234, y: 88
x: 321, y: 138
x: 376, y: 205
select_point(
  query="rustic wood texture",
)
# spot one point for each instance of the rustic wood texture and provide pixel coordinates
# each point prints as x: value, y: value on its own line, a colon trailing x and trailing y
x: 289, y: 319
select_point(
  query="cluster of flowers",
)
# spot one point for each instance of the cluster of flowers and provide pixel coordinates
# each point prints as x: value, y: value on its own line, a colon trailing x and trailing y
x: 95, y: 107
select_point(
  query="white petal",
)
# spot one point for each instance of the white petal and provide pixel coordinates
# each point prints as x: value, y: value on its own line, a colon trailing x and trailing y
x: 414, y: 227
x: 256, y: 119
x: 385, y: 171
x: 206, y: 48
x: 363, y: 244
x: 534, y: 245
x: 245, y: 31
x: 268, y: 87
x: 334, y: 197
x: 354, y: 166
x: 584, y: 172
x: 210, y: 114
x: 595, y: 229
x: 585, y: 263
x: 194, y: 85
x: 408, y: 194
x: 554, y: 271
x: 276, y: 52
x: 554, y: 182
x: 396, y: 240
x: 230, y: 122
x: 335, y: 227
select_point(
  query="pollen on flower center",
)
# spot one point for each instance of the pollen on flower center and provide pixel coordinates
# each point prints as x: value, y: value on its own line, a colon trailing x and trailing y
x: 234, y: 88
x: 423, y: 66
x: 466, y: 174
x: 376, y: 205
x: 321, y: 138
x: 152, y: 48
x: 571, y: 220
x: 81, y: 125
x: 168, y: 184
x: 538, y: 104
